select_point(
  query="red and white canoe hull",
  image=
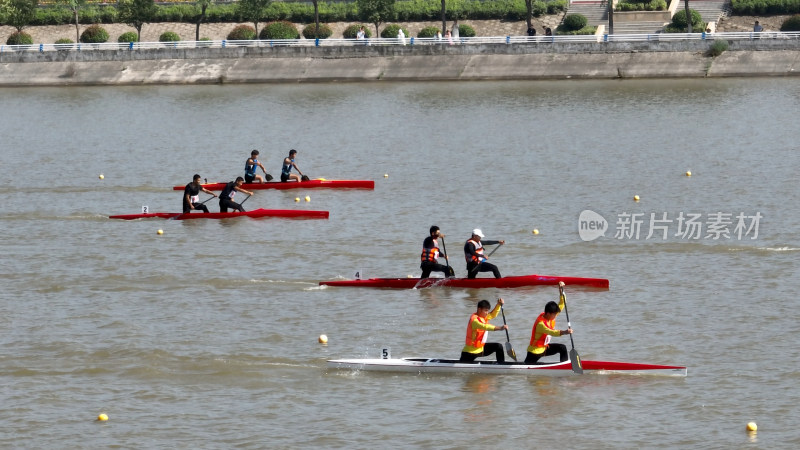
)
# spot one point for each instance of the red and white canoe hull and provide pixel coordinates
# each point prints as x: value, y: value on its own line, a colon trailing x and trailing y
x: 505, y: 282
x: 310, y: 184
x: 256, y: 213
x: 426, y: 365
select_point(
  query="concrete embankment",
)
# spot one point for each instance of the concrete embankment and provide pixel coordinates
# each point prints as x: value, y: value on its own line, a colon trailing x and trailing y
x: 765, y: 57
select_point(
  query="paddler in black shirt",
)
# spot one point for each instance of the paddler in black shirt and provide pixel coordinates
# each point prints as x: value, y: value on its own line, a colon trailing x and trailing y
x: 191, y: 196
x: 476, y: 260
x: 430, y: 255
x: 226, y: 196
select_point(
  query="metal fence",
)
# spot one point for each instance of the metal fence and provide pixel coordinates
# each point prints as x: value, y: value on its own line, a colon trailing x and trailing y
x: 508, y: 40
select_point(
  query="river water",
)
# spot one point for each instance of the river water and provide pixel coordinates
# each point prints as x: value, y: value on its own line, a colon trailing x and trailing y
x: 206, y: 336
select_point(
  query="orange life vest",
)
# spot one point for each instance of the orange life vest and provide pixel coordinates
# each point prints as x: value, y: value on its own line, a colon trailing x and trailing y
x: 478, y: 249
x: 544, y: 339
x: 430, y: 254
x: 476, y: 337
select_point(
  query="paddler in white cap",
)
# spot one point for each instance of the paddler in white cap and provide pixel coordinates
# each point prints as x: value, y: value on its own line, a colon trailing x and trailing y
x: 476, y: 260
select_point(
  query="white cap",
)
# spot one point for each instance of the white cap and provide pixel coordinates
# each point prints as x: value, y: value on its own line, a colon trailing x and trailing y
x: 477, y: 232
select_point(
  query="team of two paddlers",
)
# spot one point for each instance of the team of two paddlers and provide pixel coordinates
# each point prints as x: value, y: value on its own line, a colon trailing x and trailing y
x: 191, y: 193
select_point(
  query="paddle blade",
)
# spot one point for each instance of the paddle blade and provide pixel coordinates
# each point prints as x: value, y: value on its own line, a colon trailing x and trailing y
x: 510, y: 351
x: 576, y: 361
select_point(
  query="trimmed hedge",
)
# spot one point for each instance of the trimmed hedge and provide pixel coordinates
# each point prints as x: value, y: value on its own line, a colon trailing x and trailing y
x: 352, y: 31
x: 94, y: 34
x: 19, y: 38
x: 128, y: 36
x: 324, y: 31
x: 641, y: 5
x: 391, y: 30
x: 169, y: 36
x: 465, y: 31
x: 64, y: 41
x: 301, y: 12
x: 765, y: 7
x: 791, y: 24
x: 679, y: 23
x: 429, y: 32
x: 242, y: 33
x: 279, y: 30
x: 573, y: 22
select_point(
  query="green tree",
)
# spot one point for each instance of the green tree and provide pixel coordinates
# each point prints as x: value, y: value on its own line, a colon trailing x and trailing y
x: 75, y: 6
x: 136, y: 13
x: 5, y: 8
x: 253, y: 10
x: 20, y: 13
x: 202, y: 5
x: 375, y: 11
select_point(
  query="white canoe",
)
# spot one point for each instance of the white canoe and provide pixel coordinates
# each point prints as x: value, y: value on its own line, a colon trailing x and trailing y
x: 429, y: 365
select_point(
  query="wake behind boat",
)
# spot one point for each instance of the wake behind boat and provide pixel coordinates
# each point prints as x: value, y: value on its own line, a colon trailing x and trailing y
x: 505, y: 282
x: 310, y: 184
x: 256, y: 213
x: 428, y: 365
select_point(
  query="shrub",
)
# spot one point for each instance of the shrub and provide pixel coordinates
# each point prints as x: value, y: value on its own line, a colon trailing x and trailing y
x: 242, y: 33
x: 65, y: 41
x: 279, y: 30
x: 390, y: 31
x: 557, y: 6
x: 94, y: 34
x: 169, y: 36
x: 719, y: 46
x: 352, y: 31
x: 791, y: 24
x: 428, y: 32
x: 573, y: 22
x: 679, y: 24
x: 324, y: 31
x: 128, y: 36
x: 466, y: 31
x: 19, y: 38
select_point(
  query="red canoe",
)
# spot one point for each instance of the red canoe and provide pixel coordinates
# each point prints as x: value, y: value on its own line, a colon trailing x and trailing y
x: 505, y: 282
x: 310, y: 184
x: 298, y: 213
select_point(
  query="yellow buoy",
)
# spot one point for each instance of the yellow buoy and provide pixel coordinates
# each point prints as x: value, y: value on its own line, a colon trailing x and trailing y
x: 751, y: 426
x: 101, y: 176
x: 323, y: 339
x: 102, y: 417
x: 688, y: 173
x: 297, y: 199
x: 160, y: 231
x: 386, y: 175
x: 535, y: 231
x: 636, y: 198
x: 308, y: 199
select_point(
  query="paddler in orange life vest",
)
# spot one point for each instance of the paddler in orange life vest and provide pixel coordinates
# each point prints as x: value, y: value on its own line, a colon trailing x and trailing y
x: 477, y: 327
x: 543, y: 329
x: 430, y: 255
x: 476, y: 260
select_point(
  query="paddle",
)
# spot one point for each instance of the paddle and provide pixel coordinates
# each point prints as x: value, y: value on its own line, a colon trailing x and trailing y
x: 450, y: 271
x: 240, y: 204
x: 573, y: 354
x: 509, y: 348
x: 475, y: 269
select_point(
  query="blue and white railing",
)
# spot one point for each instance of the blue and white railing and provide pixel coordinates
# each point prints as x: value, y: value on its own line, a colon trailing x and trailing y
x: 509, y: 40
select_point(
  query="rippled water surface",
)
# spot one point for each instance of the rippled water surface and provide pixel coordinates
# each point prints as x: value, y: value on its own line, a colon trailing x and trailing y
x: 206, y: 336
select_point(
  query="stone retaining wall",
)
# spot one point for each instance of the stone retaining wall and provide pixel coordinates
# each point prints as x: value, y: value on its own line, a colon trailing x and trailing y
x: 764, y: 57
